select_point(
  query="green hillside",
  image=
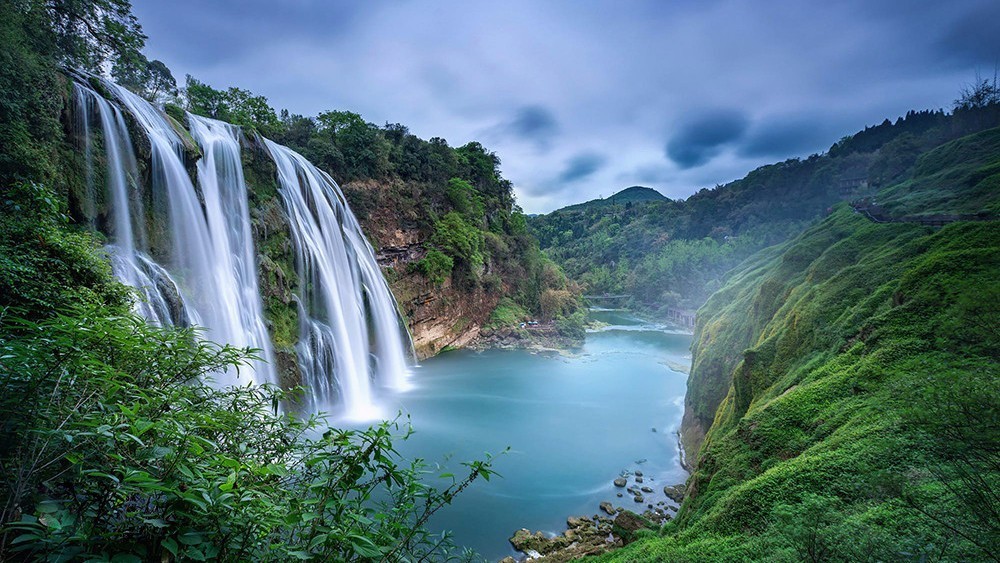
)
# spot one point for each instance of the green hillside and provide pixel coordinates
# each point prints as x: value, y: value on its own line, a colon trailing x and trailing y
x: 849, y: 383
x: 675, y: 253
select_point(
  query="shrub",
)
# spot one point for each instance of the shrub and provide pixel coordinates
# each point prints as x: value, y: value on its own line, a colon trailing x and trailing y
x: 436, y: 265
x: 119, y: 447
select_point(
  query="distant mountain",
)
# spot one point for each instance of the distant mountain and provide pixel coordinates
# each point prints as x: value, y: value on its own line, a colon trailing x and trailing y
x: 634, y: 194
x: 675, y: 253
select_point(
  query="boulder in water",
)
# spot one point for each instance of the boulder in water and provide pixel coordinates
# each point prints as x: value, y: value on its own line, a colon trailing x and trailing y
x: 608, y: 507
x: 621, y: 482
x: 676, y: 493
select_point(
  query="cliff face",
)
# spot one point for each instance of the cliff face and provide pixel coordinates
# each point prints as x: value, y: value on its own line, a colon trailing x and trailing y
x: 845, y: 386
x: 449, y: 314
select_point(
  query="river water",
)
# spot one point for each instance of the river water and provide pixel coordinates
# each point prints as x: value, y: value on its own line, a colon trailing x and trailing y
x: 573, y: 424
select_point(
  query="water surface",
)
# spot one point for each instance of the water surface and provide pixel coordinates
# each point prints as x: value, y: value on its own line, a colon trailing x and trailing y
x: 573, y: 424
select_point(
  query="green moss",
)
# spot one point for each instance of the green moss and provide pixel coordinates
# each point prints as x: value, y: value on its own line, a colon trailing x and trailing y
x: 810, y: 364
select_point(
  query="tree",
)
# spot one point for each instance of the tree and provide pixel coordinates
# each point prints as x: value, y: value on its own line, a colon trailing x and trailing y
x: 980, y: 94
x: 150, y: 79
x: 92, y: 32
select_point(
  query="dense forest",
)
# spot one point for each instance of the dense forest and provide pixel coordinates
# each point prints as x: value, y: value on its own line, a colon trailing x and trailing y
x: 675, y: 253
x: 116, y: 443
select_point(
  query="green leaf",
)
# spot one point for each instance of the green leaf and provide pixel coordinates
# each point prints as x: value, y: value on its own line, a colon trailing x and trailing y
x: 230, y: 482
x: 190, y: 538
x: 170, y: 545
x: 48, y: 507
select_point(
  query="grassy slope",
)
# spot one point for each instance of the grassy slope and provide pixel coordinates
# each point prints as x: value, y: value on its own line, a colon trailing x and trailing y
x: 826, y: 350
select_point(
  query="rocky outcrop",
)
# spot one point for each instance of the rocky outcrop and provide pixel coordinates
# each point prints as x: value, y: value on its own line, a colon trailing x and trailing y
x: 439, y: 316
x: 584, y: 536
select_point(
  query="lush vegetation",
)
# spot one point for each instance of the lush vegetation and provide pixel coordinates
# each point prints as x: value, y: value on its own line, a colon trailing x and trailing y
x: 849, y: 387
x: 116, y: 445
x: 475, y: 236
x: 675, y: 253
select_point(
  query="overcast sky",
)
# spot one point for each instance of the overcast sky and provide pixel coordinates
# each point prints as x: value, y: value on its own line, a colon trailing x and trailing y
x: 583, y: 98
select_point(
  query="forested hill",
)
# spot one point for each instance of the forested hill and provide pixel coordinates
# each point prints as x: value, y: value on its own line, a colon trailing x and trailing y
x: 634, y: 194
x: 442, y: 218
x: 849, y: 387
x: 675, y: 253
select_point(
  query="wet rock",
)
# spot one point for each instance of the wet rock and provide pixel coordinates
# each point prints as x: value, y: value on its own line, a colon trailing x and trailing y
x: 621, y: 482
x: 655, y: 517
x: 508, y: 559
x: 608, y: 508
x: 626, y: 524
x: 524, y: 540
x: 676, y: 493
x: 577, y: 521
x: 638, y: 478
x: 638, y: 473
x: 620, y: 495
x: 646, y: 489
x: 639, y: 498
x: 654, y: 429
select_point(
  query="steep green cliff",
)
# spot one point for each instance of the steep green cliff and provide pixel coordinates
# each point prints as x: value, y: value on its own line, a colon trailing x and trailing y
x: 849, y: 386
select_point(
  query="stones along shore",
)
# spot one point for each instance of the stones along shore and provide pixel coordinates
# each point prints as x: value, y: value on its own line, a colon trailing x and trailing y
x: 600, y: 533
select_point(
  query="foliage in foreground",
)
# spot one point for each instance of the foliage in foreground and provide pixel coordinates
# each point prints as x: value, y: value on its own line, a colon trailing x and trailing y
x: 116, y: 448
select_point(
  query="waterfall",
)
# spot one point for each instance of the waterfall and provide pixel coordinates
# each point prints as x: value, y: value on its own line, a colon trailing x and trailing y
x: 220, y: 176
x: 212, y: 252
x: 159, y: 300
x: 344, y: 298
x: 352, y: 338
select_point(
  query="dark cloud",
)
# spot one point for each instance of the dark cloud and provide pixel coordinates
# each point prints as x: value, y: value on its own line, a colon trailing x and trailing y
x: 976, y: 36
x: 787, y: 136
x: 700, y: 138
x: 581, y: 166
x: 535, y: 124
x: 792, y: 76
x: 196, y: 32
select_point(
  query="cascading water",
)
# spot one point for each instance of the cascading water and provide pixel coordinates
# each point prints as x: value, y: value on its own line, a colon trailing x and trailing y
x: 351, y: 331
x: 220, y: 176
x: 159, y: 300
x: 343, y: 296
x: 212, y: 250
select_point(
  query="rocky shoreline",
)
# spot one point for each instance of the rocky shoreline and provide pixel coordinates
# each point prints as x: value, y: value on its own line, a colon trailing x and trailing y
x: 542, y: 339
x: 593, y: 535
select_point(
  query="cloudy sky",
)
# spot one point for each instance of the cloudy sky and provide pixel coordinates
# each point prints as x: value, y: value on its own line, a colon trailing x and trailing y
x: 582, y: 98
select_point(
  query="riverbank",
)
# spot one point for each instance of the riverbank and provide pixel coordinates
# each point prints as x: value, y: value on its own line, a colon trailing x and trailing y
x: 540, y: 337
